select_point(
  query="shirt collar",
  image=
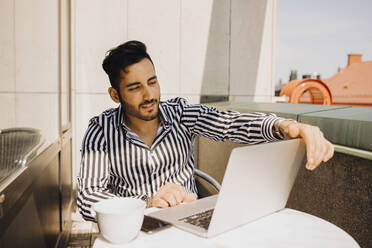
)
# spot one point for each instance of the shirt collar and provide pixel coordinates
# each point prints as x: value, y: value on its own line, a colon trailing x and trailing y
x: 165, y: 118
x: 119, y: 117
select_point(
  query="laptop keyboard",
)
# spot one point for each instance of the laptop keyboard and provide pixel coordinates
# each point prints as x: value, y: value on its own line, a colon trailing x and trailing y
x: 201, y: 219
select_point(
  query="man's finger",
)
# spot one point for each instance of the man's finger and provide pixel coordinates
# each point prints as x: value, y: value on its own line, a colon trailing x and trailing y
x: 178, y: 196
x: 189, y: 197
x: 320, y: 147
x: 307, y: 135
x: 330, y: 151
x: 178, y: 192
x: 159, y: 203
x: 169, y: 198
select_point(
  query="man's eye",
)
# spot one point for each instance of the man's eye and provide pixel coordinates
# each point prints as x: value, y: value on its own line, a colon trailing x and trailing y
x: 131, y: 89
x: 152, y: 82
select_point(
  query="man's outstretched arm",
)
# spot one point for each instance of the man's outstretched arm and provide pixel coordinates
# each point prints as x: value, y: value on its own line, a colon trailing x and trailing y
x: 253, y: 128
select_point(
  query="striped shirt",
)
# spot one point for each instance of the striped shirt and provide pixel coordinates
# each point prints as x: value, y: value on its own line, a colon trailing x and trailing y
x: 116, y: 163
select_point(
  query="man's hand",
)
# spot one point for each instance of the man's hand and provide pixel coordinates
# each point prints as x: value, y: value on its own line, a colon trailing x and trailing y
x: 170, y: 195
x: 318, y: 148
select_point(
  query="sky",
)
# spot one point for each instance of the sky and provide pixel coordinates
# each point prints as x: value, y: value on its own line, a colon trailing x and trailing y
x: 317, y: 35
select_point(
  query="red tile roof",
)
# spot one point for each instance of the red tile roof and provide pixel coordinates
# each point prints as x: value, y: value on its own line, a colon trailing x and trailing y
x: 353, y: 84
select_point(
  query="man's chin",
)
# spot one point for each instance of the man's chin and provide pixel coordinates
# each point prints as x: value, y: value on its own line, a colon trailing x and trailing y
x: 150, y: 116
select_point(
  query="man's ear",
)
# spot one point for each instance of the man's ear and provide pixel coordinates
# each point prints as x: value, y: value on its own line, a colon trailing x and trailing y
x: 114, y: 95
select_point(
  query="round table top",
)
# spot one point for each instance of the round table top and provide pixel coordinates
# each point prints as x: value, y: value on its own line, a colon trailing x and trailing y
x: 286, y: 228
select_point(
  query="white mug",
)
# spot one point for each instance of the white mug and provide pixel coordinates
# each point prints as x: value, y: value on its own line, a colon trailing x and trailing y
x: 119, y: 219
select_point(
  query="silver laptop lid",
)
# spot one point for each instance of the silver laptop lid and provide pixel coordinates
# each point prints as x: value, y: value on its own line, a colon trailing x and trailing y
x: 257, y: 182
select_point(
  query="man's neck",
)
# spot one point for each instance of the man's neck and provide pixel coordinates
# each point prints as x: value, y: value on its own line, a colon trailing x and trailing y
x: 138, y: 125
x: 146, y: 130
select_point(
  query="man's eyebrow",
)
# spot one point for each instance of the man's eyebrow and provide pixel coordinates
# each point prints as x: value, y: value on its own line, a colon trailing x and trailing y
x: 131, y: 84
x: 135, y: 83
x: 151, y: 78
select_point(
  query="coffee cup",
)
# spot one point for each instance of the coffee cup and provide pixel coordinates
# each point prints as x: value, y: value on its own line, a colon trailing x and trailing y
x: 119, y: 219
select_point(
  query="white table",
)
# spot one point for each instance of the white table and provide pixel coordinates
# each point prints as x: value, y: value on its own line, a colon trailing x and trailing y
x: 286, y: 228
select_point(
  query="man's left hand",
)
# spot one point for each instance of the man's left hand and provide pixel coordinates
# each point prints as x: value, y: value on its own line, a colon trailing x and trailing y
x: 318, y: 148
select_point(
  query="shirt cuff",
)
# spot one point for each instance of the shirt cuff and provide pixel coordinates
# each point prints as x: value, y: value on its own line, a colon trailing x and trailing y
x: 267, y: 128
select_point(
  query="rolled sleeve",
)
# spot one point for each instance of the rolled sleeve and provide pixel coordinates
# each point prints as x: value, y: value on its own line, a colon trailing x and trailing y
x: 267, y: 128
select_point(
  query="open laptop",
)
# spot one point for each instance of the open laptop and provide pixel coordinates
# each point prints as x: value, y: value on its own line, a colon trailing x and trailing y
x: 257, y: 182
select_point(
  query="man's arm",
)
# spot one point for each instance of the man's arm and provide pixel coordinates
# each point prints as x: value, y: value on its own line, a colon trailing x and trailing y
x: 253, y: 128
x: 93, y: 179
x: 246, y: 128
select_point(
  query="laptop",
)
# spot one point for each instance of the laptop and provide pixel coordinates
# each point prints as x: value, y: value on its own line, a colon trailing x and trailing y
x: 257, y: 183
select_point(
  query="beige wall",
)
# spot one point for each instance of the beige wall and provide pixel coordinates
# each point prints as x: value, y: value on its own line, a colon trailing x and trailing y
x: 252, y: 50
x: 29, y: 65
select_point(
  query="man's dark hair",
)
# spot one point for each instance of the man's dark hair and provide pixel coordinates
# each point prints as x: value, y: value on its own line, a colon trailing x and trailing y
x: 119, y: 58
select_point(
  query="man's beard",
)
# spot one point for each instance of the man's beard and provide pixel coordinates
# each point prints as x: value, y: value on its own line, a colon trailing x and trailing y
x: 132, y: 110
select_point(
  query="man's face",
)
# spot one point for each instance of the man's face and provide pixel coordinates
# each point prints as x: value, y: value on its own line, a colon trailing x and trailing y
x: 140, y: 91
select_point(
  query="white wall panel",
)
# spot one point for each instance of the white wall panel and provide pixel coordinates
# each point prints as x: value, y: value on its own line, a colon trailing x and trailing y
x: 157, y: 24
x: 7, y: 110
x: 247, y: 21
x: 100, y: 26
x: 7, y: 53
x: 195, y: 26
x: 205, y: 47
x: 265, y: 85
x: 65, y: 62
x: 38, y: 111
x: 36, y: 40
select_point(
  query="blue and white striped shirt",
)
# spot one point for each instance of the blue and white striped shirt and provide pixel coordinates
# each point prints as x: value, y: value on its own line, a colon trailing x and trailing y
x: 116, y: 163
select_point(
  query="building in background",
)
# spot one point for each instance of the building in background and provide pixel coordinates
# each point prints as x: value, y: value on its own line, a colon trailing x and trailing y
x: 351, y: 85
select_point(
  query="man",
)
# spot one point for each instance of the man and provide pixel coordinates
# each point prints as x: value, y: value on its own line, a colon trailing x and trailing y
x: 144, y: 148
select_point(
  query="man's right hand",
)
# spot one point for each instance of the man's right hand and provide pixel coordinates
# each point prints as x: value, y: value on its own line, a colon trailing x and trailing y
x: 170, y: 195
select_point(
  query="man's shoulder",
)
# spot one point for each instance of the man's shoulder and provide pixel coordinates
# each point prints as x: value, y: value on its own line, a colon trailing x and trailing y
x: 174, y: 106
x: 176, y: 101
x: 108, y: 116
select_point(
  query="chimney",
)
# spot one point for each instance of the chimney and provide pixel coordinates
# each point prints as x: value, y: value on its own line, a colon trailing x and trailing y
x: 354, y: 58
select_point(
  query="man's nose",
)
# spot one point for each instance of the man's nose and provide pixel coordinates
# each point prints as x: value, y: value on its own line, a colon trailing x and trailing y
x: 147, y: 93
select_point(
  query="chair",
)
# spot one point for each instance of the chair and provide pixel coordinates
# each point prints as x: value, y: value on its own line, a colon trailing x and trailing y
x: 210, y: 180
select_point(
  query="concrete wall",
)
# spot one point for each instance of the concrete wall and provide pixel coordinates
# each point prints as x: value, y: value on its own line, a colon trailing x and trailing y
x: 252, y: 50
x: 29, y: 65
